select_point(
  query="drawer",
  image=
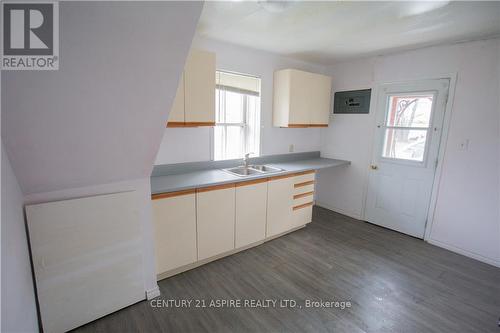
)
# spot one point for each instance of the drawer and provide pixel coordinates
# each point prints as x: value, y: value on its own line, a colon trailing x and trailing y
x: 303, y: 200
x: 304, y: 178
x: 303, y: 189
x: 302, y: 216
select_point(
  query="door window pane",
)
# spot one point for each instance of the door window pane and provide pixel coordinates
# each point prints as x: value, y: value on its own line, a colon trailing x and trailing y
x: 410, y: 111
x: 405, y: 144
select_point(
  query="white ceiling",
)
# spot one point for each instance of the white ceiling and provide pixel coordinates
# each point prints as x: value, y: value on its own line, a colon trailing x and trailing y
x: 326, y: 32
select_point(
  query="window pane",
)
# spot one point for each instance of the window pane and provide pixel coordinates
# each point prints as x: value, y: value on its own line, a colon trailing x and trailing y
x: 231, y: 107
x: 234, y: 142
x: 219, y: 142
x: 253, y: 125
x: 228, y: 141
x: 236, y: 104
x: 405, y: 144
x: 409, y: 111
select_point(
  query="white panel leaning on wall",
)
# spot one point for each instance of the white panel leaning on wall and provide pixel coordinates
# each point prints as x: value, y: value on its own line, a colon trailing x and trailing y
x: 87, y: 258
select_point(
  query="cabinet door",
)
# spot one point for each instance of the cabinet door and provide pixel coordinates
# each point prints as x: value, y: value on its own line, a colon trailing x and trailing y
x: 279, y: 205
x: 177, y: 112
x: 320, y: 105
x: 300, y: 98
x: 175, y: 230
x: 199, y: 87
x: 215, y: 209
x: 251, y: 206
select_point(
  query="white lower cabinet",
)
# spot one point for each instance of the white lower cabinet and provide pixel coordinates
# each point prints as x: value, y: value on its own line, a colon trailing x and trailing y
x: 175, y: 230
x: 279, y: 205
x: 215, y: 207
x: 198, y: 224
x: 251, y: 206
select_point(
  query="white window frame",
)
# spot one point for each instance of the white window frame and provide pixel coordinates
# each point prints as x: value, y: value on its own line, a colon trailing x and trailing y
x: 428, y: 129
x: 244, y: 125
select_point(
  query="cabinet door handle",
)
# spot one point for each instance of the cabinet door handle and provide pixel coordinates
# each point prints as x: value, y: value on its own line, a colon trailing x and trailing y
x: 374, y: 167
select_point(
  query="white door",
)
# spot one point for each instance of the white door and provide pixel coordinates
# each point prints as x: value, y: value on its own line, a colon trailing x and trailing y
x: 409, y: 125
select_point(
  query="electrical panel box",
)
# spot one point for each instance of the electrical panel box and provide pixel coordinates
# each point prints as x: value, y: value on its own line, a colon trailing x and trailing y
x: 352, y: 102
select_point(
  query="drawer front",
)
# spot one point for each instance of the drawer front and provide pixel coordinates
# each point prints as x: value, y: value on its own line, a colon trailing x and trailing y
x: 302, y: 216
x: 303, y: 178
x: 303, y: 189
x: 303, y: 200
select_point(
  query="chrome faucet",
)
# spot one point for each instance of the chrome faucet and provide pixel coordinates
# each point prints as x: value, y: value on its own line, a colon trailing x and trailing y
x: 246, y: 159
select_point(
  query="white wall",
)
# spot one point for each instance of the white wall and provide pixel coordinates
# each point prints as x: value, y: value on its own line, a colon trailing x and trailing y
x: 18, y: 296
x: 95, y: 125
x: 466, y: 218
x: 100, y: 117
x: 188, y: 145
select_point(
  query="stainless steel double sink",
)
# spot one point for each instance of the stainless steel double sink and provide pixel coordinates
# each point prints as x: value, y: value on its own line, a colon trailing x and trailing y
x: 251, y: 170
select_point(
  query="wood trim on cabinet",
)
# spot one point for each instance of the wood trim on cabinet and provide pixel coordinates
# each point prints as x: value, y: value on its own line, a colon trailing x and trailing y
x: 301, y: 195
x: 306, y: 125
x: 303, y: 205
x: 282, y: 176
x: 303, y: 184
x: 172, y: 194
x: 304, y: 172
x: 251, y: 182
x: 175, y: 124
x: 190, y: 124
x: 199, y: 123
x: 215, y: 187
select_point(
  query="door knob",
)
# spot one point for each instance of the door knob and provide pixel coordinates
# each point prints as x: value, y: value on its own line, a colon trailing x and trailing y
x: 373, y: 167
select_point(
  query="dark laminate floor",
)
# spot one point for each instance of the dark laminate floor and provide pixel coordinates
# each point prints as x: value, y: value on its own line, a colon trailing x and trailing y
x: 395, y: 283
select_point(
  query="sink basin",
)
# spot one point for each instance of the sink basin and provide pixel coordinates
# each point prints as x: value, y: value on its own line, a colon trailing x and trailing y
x: 243, y: 171
x: 266, y: 168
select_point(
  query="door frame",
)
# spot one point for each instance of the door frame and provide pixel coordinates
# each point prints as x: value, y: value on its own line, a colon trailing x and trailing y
x: 442, y: 143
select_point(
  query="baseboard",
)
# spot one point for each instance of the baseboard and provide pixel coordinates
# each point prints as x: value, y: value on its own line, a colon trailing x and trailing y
x: 463, y: 252
x: 153, y: 293
x: 338, y: 210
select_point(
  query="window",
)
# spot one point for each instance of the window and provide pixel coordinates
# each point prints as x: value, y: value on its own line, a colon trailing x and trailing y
x: 237, y: 116
x: 407, y: 125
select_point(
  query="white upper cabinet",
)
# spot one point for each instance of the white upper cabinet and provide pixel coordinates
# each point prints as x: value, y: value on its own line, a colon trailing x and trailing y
x: 301, y: 99
x: 194, y: 103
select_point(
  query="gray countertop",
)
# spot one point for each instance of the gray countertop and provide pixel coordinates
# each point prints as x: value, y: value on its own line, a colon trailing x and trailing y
x: 210, y: 177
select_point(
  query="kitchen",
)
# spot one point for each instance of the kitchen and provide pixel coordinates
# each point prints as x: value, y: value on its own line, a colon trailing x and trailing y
x: 256, y: 177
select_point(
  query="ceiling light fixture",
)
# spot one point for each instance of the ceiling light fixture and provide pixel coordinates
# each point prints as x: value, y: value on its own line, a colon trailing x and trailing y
x: 417, y: 8
x: 274, y: 6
